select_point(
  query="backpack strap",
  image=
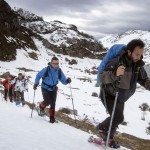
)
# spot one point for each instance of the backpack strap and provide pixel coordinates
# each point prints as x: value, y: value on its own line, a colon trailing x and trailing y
x: 46, y: 75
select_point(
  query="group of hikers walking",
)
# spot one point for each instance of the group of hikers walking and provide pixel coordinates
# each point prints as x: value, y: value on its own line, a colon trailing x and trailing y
x: 119, y: 72
x: 14, y: 88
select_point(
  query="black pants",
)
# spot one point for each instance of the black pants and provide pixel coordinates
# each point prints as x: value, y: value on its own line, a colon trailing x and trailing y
x: 49, y: 97
x: 8, y: 93
x: 118, y: 115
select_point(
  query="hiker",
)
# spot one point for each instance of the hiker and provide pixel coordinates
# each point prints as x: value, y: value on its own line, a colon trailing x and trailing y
x: 8, y: 86
x: 50, y: 76
x: 21, y: 86
x: 121, y: 74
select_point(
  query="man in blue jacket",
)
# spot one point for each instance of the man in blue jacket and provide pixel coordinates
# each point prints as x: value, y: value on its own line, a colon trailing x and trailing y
x: 50, y: 76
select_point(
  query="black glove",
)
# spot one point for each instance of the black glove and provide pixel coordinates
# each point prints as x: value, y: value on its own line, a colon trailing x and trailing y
x: 35, y: 86
x: 68, y: 80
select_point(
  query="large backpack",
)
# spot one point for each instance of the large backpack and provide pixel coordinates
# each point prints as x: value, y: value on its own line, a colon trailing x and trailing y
x: 113, y: 52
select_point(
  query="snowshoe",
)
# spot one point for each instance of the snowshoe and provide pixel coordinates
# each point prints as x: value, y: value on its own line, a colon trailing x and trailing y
x: 40, y: 111
x: 98, y: 141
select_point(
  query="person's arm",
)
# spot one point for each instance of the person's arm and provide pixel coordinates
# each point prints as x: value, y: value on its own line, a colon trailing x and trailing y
x: 110, y: 75
x: 3, y: 81
x: 63, y: 79
x: 143, y: 79
x: 13, y: 81
x: 40, y: 75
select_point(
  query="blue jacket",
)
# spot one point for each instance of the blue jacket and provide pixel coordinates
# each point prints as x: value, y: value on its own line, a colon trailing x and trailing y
x: 113, y: 52
x: 51, y: 80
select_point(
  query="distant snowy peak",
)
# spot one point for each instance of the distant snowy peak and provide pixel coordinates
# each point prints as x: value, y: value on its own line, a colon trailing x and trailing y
x: 31, y: 20
x: 126, y: 37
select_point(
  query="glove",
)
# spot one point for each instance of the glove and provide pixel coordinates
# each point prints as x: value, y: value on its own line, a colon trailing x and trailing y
x: 35, y: 86
x: 68, y: 80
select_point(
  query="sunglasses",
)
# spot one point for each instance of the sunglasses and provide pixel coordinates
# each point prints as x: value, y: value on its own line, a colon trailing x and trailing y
x: 55, y: 63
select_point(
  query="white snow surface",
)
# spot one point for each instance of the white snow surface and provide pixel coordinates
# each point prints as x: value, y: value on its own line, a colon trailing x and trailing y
x: 19, y: 131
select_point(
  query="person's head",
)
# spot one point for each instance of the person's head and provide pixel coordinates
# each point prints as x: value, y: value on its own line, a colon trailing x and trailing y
x: 7, y: 75
x: 20, y: 76
x: 55, y: 62
x: 135, y: 49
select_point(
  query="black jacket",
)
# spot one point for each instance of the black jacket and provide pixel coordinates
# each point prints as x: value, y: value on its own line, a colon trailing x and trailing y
x: 134, y: 73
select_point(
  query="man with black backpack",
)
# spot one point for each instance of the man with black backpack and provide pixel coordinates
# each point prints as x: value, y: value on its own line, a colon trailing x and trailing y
x: 50, y: 76
x: 118, y: 83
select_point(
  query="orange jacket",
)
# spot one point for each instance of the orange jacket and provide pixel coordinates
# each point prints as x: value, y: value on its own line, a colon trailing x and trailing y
x: 7, y: 83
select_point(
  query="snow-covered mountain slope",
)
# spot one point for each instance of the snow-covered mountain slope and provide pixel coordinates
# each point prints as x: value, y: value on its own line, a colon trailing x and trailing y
x: 82, y: 86
x: 66, y: 38
x: 18, y: 28
x: 18, y: 131
x: 126, y: 37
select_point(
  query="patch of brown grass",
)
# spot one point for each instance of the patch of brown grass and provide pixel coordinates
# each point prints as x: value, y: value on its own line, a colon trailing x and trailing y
x: 124, y: 139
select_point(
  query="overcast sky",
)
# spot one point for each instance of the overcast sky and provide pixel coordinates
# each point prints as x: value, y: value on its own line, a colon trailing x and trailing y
x: 96, y: 17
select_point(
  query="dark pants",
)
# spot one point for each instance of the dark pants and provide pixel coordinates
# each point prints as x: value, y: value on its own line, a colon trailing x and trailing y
x: 118, y: 115
x: 19, y: 96
x: 49, y: 97
x: 8, y: 93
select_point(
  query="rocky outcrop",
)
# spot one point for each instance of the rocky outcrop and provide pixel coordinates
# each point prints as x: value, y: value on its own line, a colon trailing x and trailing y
x: 8, y: 17
x: 12, y: 35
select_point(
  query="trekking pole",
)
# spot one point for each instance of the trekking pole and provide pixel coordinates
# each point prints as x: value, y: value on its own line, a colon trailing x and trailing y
x: 33, y: 104
x: 73, y: 105
x: 112, y: 115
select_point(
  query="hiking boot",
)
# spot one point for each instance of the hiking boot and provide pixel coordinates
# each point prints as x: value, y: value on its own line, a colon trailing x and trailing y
x: 52, y: 120
x: 113, y: 144
x: 102, y: 132
x: 52, y: 115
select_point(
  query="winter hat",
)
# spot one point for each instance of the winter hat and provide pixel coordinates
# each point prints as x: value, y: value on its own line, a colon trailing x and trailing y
x: 20, y: 74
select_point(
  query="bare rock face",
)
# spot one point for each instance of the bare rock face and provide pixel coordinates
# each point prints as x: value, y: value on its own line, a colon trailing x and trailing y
x: 7, y: 17
x: 12, y: 35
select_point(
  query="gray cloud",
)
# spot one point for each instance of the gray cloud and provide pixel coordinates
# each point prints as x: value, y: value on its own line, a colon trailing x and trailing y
x: 98, y: 17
